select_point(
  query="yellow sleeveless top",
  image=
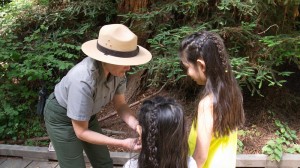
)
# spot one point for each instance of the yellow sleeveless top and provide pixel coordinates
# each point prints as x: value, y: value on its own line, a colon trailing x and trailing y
x: 222, y: 151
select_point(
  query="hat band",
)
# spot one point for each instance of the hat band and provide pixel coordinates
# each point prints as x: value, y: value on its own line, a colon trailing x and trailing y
x: 122, y: 54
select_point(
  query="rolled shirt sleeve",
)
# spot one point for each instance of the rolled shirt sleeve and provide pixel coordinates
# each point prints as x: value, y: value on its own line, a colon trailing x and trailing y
x: 80, y: 101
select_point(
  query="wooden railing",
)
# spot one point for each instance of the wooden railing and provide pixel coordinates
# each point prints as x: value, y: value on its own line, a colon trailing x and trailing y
x: 119, y: 158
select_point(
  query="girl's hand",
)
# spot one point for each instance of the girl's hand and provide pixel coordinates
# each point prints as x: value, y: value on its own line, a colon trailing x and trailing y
x: 132, y: 144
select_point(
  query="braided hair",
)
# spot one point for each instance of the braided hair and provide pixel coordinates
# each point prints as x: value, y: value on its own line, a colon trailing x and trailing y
x: 228, y: 112
x: 164, y: 138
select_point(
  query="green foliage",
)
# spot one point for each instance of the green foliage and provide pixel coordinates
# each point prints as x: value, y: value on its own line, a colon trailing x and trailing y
x: 251, y: 133
x: 253, y: 77
x: 274, y: 149
x: 35, y: 131
x: 240, y: 146
x: 40, y: 41
x: 260, y: 68
x: 9, y: 13
x: 285, y: 132
x: 38, y: 46
x: 255, y: 57
x: 285, y: 142
x: 166, y: 65
x: 282, y: 48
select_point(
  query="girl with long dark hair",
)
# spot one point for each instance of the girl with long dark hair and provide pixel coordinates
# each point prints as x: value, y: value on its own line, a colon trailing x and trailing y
x: 213, y: 136
x: 163, y: 136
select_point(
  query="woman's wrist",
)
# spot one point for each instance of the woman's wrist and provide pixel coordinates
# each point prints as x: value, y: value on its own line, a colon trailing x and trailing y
x: 133, y: 123
x: 120, y: 143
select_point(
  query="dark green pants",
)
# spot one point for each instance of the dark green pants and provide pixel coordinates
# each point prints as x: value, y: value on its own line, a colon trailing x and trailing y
x: 68, y: 148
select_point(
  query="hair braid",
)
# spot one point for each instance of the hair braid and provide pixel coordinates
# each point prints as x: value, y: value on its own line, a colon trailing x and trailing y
x: 221, y: 50
x: 201, y: 41
x: 162, y: 121
x: 220, y: 80
x: 198, y: 41
x: 151, y: 139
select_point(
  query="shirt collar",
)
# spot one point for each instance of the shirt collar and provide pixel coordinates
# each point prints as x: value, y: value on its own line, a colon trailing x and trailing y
x: 99, y: 66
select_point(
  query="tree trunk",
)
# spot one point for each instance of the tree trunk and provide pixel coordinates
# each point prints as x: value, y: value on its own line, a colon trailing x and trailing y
x: 135, y: 6
x: 138, y: 27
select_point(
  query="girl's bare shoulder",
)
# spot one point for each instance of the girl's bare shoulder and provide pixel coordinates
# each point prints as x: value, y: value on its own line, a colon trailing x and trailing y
x: 206, y: 102
x: 205, y: 107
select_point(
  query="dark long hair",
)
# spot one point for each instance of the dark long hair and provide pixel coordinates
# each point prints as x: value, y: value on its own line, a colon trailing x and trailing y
x: 228, y: 111
x: 164, y: 134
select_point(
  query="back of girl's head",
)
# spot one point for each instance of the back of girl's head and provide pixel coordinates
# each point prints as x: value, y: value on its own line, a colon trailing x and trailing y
x: 220, y: 81
x: 164, y: 138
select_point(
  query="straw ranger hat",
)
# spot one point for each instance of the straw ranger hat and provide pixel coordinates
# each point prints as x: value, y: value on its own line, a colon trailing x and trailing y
x: 116, y: 45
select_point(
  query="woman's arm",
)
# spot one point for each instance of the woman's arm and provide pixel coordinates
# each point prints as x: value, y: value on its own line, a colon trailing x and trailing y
x: 204, y: 131
x: 84, y: 134
x: 124, y: 111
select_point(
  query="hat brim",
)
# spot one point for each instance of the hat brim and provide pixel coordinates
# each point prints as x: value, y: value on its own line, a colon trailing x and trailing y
x: 90, y: 49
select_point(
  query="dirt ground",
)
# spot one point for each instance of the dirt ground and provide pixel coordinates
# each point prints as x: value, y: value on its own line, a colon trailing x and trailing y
x: 261, y: 112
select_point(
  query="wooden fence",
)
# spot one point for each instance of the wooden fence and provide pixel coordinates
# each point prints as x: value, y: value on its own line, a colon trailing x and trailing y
x: 119, y: 158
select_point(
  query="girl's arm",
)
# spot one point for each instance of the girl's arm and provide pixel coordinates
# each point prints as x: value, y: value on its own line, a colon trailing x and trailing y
x: 204, y: 130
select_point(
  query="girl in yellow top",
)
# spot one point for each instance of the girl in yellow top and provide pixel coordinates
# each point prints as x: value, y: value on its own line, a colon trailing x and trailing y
x: 213, y: 135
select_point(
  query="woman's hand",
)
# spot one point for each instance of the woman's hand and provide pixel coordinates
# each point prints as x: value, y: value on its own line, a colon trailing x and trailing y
x: 132, y: 144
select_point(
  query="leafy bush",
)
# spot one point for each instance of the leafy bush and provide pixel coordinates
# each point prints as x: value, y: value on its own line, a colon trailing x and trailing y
x: 38, y: 46
x: 40, y: 41
x: 285, y: 142
x: 255, y: 58
x: 165, y: 66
